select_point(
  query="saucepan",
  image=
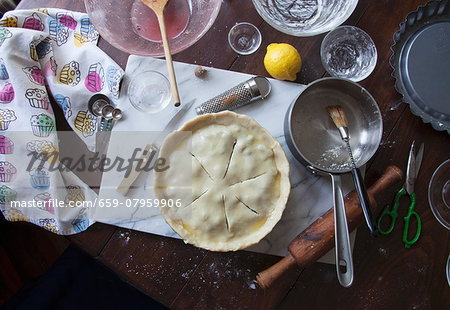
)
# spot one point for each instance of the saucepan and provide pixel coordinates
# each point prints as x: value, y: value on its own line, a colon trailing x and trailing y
x: 314, y: 140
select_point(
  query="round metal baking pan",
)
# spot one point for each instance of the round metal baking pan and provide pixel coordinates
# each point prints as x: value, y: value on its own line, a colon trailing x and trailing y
x: 421, y: 62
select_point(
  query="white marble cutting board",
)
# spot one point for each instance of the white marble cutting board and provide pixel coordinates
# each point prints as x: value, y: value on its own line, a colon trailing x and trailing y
x: 310, y: 195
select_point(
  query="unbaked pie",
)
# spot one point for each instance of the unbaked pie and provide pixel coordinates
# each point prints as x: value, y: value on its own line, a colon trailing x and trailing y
x: 234, y: 184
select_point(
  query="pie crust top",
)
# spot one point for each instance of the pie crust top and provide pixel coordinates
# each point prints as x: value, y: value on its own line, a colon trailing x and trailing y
x: 236, y: 187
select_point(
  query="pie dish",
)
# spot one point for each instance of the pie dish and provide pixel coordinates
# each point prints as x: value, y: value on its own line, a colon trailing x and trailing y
x: 238, y: 186
x: 421, y: 59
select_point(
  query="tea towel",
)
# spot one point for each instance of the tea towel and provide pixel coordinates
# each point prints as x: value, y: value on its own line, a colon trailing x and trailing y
x: 43, y: 53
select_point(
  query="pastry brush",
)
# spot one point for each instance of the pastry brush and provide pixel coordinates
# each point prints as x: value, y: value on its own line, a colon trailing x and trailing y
x: 337, y: 114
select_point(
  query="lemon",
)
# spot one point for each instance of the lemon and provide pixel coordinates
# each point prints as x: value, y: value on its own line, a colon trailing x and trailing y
x: 282, y: 61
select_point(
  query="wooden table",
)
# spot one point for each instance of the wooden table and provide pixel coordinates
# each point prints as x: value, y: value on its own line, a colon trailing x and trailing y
x: 386, y: 274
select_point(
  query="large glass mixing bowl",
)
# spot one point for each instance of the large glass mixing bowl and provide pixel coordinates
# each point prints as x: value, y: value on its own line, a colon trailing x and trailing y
x: 133, y: 28
x: 305, y: 18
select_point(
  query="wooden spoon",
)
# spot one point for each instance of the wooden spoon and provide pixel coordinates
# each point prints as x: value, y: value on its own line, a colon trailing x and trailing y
x: 158, y: 6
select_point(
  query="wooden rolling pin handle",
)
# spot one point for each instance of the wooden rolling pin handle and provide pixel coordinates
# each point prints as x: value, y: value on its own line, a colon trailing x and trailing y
x: 278, y: 271
x: 392, y: 175
x: 318, y: 238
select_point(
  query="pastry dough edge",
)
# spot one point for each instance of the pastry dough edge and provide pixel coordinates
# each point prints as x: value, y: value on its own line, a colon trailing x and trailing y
x: 282, y: 164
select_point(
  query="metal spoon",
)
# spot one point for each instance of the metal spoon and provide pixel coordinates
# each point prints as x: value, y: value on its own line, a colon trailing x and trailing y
x: 116, y: 115
x: 109, y: 116
x: 107, y: 111
x: 98, y: 106
x: 106, y: 116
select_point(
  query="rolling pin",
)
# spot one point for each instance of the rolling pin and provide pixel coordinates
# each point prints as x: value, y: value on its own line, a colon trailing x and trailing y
x: 318, y: 238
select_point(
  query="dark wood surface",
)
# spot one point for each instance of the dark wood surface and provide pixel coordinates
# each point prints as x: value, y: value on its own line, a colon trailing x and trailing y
x: 387, y: 275
x: 26, y: 253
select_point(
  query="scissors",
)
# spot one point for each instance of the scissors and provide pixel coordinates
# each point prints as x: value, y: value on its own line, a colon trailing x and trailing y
x: 414, y: 162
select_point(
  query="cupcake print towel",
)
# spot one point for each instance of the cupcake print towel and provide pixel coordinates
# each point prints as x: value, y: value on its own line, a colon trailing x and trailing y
x: 48, y: 54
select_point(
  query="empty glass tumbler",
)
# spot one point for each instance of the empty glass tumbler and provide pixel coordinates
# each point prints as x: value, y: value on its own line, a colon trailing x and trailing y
x: 348, y: 52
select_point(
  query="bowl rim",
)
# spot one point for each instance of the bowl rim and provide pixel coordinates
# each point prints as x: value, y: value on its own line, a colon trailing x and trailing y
x: 435, y: 212
x: 173, y: 51
x: 262, y: 13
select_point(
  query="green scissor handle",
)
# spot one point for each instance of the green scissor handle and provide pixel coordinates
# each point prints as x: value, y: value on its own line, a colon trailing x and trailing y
x: 393, y: 214
x: 407, y: 218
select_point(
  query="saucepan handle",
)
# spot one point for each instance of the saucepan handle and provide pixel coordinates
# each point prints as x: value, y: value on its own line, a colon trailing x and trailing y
x: 344, y: 260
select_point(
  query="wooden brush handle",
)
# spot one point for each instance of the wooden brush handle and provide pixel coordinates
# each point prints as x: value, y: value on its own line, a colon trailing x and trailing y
x: 128, y: 181
x: 318, y: 238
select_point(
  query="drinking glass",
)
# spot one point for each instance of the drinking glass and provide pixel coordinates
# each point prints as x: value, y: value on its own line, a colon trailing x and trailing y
x: 348, y: 52
x: 244, y: 38
x: 149, y: 92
